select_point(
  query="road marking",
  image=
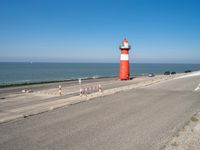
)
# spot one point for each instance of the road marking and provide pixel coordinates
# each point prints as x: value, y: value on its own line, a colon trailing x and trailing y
x: 197, y: 88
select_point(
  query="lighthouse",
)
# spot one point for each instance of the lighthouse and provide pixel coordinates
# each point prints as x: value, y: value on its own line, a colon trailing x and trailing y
x: 124, y: 72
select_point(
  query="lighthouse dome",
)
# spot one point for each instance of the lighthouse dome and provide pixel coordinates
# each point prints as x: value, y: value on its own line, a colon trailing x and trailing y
x: 125, y: 44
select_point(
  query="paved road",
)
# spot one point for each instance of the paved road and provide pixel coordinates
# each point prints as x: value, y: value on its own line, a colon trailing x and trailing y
x: 141, y: 119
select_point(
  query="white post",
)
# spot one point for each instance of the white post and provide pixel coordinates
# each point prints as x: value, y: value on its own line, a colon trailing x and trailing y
x: 81, y: 90
x: 60, y: 90
x: 100, y: 89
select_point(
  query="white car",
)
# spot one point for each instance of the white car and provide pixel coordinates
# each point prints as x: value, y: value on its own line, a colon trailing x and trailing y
x: 151, y: 75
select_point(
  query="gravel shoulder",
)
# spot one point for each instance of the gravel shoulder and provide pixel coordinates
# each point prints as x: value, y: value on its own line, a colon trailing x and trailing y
x: 188, y: 138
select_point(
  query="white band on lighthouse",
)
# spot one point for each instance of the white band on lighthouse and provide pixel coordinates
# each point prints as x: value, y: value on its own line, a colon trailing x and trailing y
x: 124, y: 57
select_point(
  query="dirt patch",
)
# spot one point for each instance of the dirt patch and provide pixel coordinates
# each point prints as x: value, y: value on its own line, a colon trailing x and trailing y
x: 194, y: 119
x: 174, y: 144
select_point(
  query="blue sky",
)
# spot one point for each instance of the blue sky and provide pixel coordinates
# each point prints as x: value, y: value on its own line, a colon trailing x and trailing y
x: 160, y: 31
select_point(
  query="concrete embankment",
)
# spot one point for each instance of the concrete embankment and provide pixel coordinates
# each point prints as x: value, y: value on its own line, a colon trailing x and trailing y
x: 22, y: 105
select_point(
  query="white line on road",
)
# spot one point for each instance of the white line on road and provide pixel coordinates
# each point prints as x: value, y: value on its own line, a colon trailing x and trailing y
x: 197, y: 88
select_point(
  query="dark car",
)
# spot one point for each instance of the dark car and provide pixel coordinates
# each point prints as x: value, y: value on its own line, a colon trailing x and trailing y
x: 187, y: 71
x: 167, y: 73
x: 173, y: 72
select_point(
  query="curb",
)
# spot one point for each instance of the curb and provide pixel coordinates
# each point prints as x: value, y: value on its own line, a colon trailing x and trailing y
x: 10, y: 118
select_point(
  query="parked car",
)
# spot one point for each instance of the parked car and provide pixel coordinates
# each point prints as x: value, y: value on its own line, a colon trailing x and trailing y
x: 151, y: 75
x: 167, y: 73
x: 173, y: 72
x: 187, y: 71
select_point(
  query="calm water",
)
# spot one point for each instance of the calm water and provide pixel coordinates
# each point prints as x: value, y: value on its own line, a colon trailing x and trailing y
x: 12, y: 73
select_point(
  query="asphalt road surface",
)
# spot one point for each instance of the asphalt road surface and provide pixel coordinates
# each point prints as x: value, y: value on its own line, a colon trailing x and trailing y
x: 140, y: 119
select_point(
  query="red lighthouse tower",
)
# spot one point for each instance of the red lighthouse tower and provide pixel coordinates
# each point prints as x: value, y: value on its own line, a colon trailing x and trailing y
x: 124, y: 72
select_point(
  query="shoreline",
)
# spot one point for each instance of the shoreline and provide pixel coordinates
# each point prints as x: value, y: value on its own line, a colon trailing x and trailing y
x: 17, y: 88
x: 66, y: 80
x: 52, y: 81
x: 13, y: 75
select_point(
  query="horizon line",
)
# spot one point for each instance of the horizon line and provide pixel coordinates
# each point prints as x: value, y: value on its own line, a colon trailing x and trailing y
x: 31, y: 62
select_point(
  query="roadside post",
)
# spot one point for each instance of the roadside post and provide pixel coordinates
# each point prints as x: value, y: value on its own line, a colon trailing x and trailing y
x: 100, y: 88
x: 60, y: 90
x: 81, y: 90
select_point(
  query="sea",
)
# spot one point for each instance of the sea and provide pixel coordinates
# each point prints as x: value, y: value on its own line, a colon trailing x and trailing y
x: 12, y: 73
